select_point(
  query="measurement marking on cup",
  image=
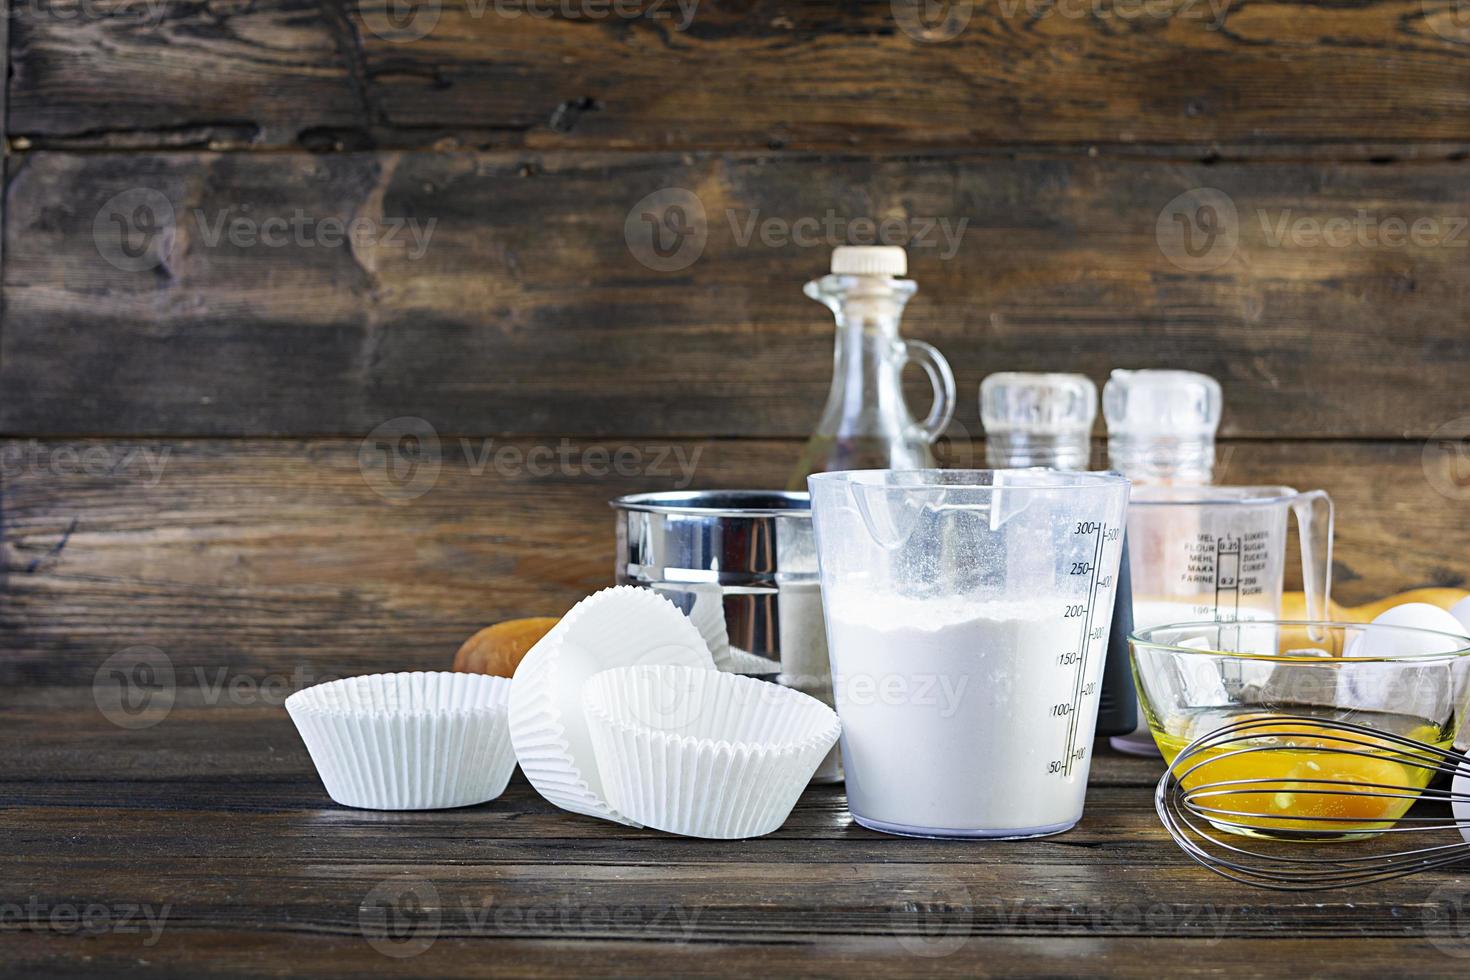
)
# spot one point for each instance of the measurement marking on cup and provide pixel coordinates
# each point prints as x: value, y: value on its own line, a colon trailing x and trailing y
x: 1085, y: 640
x: 1227, y: 581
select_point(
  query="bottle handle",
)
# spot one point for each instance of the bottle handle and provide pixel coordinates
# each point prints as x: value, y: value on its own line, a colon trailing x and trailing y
x: 941, y: 378
x: 1313, y: 511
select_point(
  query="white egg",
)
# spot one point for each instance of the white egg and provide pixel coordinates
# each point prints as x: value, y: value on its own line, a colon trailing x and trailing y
x: 1461, y: 790
x: 1461, y: 611
x: 1396, y: 687
x: 1391, y: 643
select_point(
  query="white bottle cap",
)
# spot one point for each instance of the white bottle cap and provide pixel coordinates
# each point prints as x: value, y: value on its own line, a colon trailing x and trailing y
x: 869, y: 260
x: 1161, y: 425
x: 1182, y: 404
x: 1046, y: 404
x: 1038, y: 419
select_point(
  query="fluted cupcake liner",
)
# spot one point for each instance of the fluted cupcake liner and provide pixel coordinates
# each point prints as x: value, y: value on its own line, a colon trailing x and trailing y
x: 704, y: 753
x: 706, y: 610
x: 408, y: 741
x: 617, y: 627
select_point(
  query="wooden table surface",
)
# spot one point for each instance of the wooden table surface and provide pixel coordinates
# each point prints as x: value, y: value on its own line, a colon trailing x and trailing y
x: 205, y: 841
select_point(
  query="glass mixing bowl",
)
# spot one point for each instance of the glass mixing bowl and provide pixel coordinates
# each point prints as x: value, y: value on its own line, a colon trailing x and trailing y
x: 1196, y: 678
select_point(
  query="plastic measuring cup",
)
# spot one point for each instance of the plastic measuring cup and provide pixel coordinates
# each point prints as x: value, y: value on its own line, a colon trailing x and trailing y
x: 967, y: 621
x: 1219, y: 553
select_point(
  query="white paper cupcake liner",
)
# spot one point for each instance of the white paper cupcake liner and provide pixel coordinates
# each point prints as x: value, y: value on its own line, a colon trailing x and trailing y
x: 616, y: 627
x: 703, y: 753
x: 706, y: 602
x: 738, y: 661
x: 408, y: 741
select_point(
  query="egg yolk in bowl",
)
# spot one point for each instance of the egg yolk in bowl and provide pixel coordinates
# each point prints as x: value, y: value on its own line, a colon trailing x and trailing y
x: 1304, y: 781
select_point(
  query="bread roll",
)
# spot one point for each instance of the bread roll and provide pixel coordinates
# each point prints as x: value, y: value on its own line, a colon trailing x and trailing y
x: 498, y: 649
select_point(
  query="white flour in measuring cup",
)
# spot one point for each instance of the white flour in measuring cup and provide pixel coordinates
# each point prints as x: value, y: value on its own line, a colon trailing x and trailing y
x: 947, y: 710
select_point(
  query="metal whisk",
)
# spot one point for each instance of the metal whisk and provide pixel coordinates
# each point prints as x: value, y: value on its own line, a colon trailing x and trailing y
x: 1206, y: 816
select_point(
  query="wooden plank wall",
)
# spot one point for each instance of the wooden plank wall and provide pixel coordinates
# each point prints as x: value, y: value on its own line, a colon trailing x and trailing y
x: 190, y: 360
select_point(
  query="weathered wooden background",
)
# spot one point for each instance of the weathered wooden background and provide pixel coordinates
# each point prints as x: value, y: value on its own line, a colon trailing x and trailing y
x: 184, y: 410
x: 235, y: 441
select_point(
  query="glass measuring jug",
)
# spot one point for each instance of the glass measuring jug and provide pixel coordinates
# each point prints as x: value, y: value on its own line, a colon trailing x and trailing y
x: 1219, y: 553
x: 967, y: 623
x: 866, y: 421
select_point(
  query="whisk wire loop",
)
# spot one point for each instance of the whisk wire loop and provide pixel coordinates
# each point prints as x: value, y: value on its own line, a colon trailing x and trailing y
x: 1208, y: 819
